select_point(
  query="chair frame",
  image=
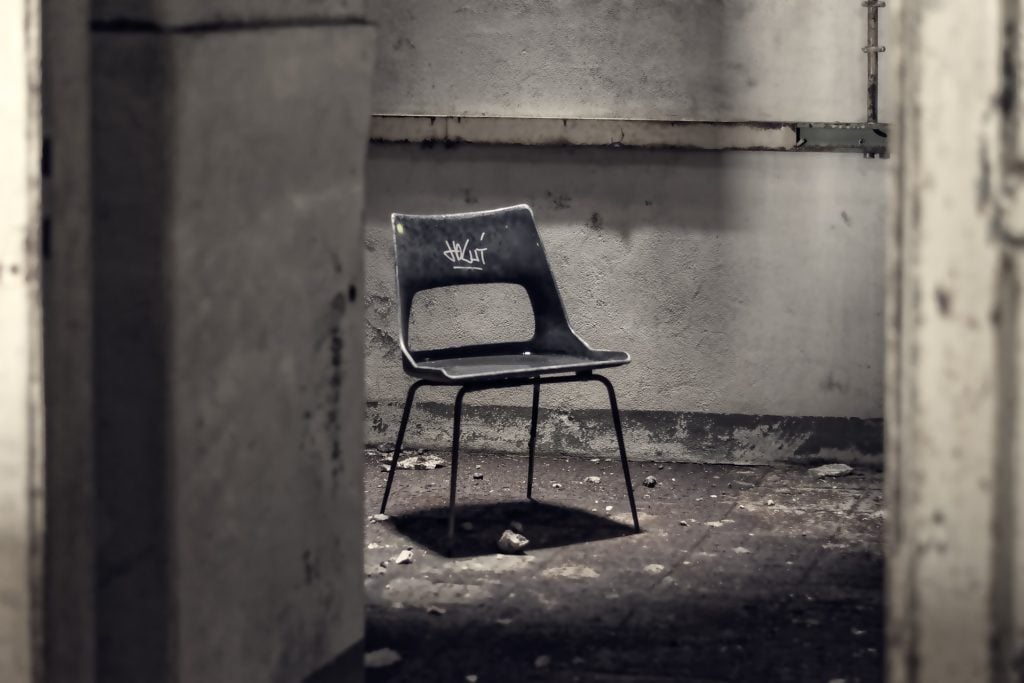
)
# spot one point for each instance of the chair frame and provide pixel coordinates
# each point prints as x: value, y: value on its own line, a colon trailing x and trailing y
x: 536, y: 382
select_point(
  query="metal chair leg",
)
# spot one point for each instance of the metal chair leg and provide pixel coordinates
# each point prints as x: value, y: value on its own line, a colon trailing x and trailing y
x: 622, y: 446
x: 455, y: 468
x: 398, y: 442
x: 533, y: 439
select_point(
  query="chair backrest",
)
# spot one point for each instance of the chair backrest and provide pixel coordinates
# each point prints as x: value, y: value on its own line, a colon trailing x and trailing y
x: 498, y: 246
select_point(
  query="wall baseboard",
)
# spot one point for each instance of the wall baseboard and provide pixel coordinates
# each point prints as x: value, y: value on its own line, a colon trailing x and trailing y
x: 650, y: 434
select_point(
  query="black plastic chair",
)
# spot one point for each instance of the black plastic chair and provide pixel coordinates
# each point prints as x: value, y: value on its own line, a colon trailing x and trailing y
x: 499, y: 246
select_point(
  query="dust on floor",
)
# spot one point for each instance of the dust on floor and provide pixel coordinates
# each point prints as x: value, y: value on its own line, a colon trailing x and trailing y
x: 739, y: 574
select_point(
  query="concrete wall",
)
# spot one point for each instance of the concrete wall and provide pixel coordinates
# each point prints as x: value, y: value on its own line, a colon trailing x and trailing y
x: 21, y: 415
x: 734, y: 60
x: 747, y: 286
x: 228, y: 153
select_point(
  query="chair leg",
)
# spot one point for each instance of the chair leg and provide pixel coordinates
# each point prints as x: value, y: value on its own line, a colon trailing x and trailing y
x: 398, y: 442
x: 533, y: 439
x: 622, y: 446
x: 455, y: 468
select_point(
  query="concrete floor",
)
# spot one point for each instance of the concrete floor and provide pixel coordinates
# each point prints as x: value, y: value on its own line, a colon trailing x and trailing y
x: 775, y: 576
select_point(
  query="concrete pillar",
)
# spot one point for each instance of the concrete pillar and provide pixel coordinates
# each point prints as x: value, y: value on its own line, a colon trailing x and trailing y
x: 21, y: 438
x: 954, y: 416
x: 229, y: 142
x: 70, y: 578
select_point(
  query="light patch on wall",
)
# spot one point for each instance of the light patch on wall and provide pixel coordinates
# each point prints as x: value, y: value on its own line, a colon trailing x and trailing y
x: 470, y: 314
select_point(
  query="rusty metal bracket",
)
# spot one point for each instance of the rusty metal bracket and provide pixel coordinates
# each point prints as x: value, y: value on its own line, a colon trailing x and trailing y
x: 869, y: 138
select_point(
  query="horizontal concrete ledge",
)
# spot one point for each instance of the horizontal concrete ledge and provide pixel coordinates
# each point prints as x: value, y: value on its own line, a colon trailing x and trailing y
x: 866, y: 138
x: 137, y: 26
x: 650, y: 434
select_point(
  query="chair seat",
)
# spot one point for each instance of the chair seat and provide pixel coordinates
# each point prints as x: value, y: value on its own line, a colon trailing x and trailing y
x: 509, y: 366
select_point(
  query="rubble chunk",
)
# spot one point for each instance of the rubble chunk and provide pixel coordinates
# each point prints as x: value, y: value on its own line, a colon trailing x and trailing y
x: 434, y: 609
x: 511, y: 542
x: 385, y: 447
x: 650, y: 482
x: 654, y: 568
x: 404, y: 557
x: 381, y: 658
x: 556, y: 486
x: 592, y: 480
x: 421, y: 462
x: 379, y: 517
x: 836, y: 469
x: 478, y: 475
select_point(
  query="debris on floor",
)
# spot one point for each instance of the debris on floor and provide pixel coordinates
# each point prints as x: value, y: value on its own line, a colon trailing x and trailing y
x: 556, y: 485
x: 385, y: 448
x: 379, y: 517
x: 511, y: 542
x: 592, y: 480
x: 420, y: 462
x: 836, y: 469
x: 650, y: 482
x: 381, y: 658
x: 542, y: 661
x: 434, y: 609
x: 404, y: 557
x: 478, y: 475
x: 588, y: 594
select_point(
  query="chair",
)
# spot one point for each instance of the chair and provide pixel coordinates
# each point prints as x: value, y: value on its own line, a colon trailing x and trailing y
x: 499, y: 246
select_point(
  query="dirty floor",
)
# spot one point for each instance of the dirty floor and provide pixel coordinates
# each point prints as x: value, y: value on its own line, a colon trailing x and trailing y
x: 739, y: 574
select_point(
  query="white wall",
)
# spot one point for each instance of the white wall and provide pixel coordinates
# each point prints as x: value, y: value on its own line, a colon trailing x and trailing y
x: 20, y: 342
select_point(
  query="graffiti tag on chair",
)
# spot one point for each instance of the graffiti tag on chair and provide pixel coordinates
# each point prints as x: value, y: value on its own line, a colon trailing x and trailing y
x: 463, y: 257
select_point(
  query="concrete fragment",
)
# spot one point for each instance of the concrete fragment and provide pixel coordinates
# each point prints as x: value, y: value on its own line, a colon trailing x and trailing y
x: 837, y: 469
x: 381, y: 658
x: 571, y: 571
x: 654, y: 568
x: 478, y: 475
x: 434, y: 609
x: 556, y: 486
x: 379, y: 517
x: 683, y: 522
x: 404, y: 557
x: 385, y: 448
x: 592, y: 480
x: 771, y: 502
x: 650, y: 482
x: 542, y: 661
x: 421, y: 462
x: 511, y: 542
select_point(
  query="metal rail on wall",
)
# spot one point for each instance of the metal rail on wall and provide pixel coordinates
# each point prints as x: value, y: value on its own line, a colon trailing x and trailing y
x: 869, y: 137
